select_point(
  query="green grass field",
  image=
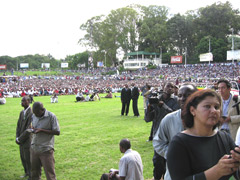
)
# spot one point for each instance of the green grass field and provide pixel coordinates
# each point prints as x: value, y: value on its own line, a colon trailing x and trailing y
x: 88, y: 143
x: 42, y: 73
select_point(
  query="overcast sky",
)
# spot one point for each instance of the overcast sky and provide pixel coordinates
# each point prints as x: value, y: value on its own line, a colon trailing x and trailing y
x: 52, y: 26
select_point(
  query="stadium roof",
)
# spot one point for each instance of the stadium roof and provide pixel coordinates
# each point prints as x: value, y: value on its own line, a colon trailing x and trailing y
x: 140, y: 53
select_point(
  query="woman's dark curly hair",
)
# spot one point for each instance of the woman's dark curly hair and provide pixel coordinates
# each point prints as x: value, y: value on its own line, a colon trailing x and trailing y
x: 193, y: 100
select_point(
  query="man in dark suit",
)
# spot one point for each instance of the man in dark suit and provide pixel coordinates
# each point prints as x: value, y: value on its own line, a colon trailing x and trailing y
x: 23, y: 136
x: 125, y: 98
x: 135, y: 95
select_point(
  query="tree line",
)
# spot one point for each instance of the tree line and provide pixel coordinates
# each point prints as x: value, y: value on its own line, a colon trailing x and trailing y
x: 151, y: 28
x: 141, y: 28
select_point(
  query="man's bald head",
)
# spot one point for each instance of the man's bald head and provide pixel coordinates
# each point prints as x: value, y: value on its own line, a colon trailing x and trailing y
x: 25, y: 101
x: 38, y: 109
x: 124, y: 145
x: 184, y: 91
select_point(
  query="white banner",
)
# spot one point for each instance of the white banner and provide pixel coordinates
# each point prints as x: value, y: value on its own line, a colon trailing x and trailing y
x: 24, y: 65
x: 235, y: 55
x: 100, y: 64
x: 45, y: 65
x: 81, y: 65
x: 3, y: 66
x: 206, y: 57
x: 64, y: 65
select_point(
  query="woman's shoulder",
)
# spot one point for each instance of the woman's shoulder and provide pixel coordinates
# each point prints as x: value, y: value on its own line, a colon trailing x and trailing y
x: 185, y: 137
x: 180, y: 137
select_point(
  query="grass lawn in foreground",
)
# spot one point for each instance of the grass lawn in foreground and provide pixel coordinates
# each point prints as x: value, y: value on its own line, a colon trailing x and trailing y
x: 89, y: 141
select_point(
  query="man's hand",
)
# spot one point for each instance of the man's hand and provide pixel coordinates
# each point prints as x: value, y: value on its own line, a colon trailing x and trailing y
x: 160, y: 103
x: 36, y: 130
x: 112, y: 174
x: 228, y: 119
x: 17, y: 142
x: 225, y: 119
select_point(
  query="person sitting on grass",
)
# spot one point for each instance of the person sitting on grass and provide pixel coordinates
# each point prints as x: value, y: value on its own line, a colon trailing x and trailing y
x: 94, y: 97
x: 109, y: 95
x: 87, y: 98
x: 79, y: 96
x: 2, y: 99
x: 54, y: 98
x: 130, y: 165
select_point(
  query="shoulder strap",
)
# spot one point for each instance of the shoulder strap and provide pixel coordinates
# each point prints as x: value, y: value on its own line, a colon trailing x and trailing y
x: 222, y: 140
x: 235, y: 99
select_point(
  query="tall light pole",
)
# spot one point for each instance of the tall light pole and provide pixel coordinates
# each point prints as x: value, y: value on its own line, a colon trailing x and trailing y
x: 160, y: 56
x: 105, y: 59
x: 185, y: 57
x: 209, y: 50
x: 185, y: 62
x: 232, y: 47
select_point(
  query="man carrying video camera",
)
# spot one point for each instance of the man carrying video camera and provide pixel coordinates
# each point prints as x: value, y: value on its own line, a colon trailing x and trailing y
x: 160, y: 104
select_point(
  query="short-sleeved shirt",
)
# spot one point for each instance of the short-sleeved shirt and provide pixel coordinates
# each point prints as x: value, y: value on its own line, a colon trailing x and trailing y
x: 41, y: 141
x: 130, y: 166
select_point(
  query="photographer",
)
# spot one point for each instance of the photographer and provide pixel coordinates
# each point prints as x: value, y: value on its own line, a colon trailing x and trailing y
x: 158, y: 108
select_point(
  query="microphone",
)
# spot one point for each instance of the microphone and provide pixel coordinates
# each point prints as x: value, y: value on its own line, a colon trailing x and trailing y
x: 236, y: 104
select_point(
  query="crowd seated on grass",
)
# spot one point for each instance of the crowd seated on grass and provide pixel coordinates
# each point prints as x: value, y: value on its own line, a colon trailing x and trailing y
x: 94, y: 81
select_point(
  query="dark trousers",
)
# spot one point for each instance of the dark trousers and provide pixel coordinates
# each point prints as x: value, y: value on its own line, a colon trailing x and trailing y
x: 151, y: 135
x: 25, y: 158
x: 78, y: 99
x: 45, y: 159
x: 105, y: 177
x: 135, y: 107
x: 159, y: 164
x: 125, y: 108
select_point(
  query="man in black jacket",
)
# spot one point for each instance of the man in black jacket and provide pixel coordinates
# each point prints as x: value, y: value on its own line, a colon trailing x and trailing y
x: 125, y: 99
x: 135, y: 95
x: 156, y: 112
x: 23, y: 136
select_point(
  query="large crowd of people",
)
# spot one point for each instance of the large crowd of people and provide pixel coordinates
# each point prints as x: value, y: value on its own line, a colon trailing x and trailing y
x: 95, y: 81
x: 193, y: 132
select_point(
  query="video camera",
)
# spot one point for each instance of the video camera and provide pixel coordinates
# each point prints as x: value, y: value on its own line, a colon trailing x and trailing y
x: 156, y: 96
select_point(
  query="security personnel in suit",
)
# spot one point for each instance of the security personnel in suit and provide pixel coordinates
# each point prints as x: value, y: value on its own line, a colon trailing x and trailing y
x: 135, y: 95
x: 125, y: 99
x: 23, y: 136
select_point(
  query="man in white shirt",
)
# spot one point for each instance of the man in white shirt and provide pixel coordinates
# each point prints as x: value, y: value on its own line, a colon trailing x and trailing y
x: 130, y: 165
x: 230, y: 114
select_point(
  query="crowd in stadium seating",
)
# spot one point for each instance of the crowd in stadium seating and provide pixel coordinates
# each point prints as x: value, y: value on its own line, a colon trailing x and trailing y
x: 94, y: 81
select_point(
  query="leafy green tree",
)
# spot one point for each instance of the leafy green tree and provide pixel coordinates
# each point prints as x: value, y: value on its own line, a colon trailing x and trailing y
x: 9, y: 61
x: 181, y: 33
x: 80, y: 58
x: 218, y: 48
x: 217, y: 20
x: 115, y: 32
x: 236, y: 40
x: 34, y: 61
x: 152, y: 28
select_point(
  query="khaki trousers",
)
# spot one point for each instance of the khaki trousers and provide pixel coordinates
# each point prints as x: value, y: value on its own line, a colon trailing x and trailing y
x: 45, y: 159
